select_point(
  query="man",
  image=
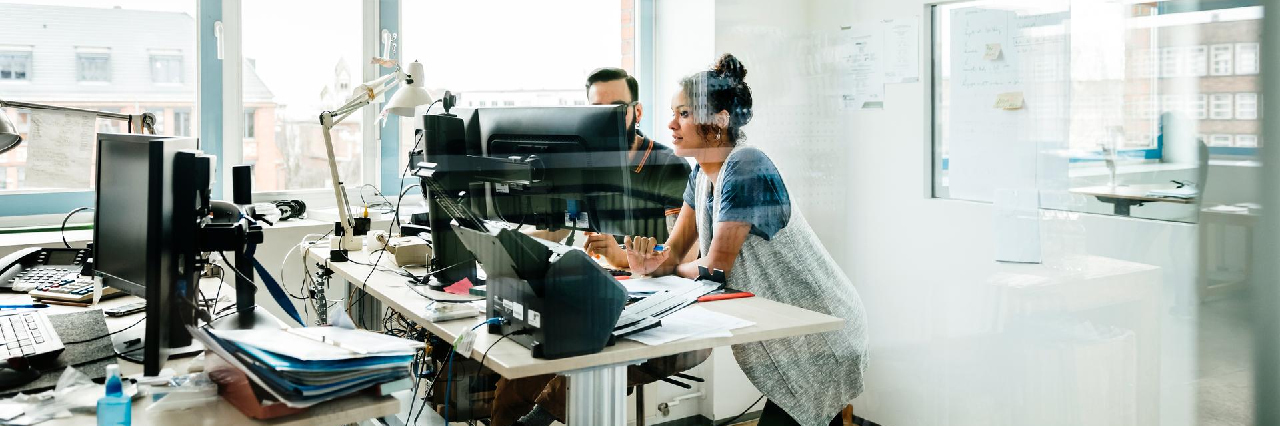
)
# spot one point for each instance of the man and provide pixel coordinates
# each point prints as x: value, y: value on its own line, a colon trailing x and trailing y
x: 658, y: 181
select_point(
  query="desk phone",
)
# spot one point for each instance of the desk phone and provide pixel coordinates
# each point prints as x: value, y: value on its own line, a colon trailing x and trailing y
x: 33, y: 267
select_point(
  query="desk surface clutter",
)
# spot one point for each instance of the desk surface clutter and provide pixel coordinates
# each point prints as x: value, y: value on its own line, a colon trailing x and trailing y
x: 76, y: 324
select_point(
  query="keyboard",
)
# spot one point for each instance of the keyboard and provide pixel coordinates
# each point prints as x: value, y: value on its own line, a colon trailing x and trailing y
x: 647, y: 313
x: 71, y: 289
x: 27, y: 334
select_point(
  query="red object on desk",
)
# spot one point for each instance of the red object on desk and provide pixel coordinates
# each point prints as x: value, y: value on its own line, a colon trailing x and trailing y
x: 725, y: 296
x: 462, y: 287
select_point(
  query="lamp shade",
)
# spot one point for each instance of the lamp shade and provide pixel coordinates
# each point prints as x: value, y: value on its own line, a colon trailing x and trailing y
x: 411, y: 95
x: 9, y: 138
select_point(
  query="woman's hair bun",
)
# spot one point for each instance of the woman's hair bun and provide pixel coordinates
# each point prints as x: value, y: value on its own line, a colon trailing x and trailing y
x: 730, y: 67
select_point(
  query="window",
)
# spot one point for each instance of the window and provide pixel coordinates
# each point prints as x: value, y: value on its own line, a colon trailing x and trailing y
x: 75, y: 66
x: 1170, y: 62
x: 1198, y: 64
x: 15, y: 65
x: 4, y: 177
x: 1220, y: 140
x: 250, y: 123
x: 1197, y: 60
x: 93, y: 64
x: 285, y: 86
x: 1247, y: 58
x: 1246, y: 106
x: 166, y: 67
x: 595, y: 28
x: 182, y: 122
x: 1221, y: 57
x: 1247, y: 141
x: 1200, y: 107
x: 1220, y: 105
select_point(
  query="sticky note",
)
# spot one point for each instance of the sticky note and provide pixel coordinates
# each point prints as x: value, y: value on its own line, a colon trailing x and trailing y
x: 1009, y: 101
x: 461, y: 287
x: 993, y: 52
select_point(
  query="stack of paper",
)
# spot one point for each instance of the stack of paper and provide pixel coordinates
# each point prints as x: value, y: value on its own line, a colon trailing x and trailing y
x: 1186, y: 193
x: 305, y: 366
x: 693, y: 321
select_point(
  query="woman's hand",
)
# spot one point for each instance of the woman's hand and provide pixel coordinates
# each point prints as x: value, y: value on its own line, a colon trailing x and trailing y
x: 641, y: 256
x: 605, y: 245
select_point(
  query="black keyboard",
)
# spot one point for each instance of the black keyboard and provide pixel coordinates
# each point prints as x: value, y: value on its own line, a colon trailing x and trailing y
x: 28, y: 334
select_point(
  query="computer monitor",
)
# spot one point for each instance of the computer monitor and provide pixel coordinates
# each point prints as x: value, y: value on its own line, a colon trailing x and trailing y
x: 144, y: 238
x: 537, y: 166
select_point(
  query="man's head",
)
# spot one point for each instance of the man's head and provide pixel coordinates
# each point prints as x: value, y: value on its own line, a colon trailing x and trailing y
x: 613, y: 86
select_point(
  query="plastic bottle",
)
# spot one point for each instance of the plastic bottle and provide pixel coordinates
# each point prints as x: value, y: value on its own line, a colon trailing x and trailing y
x: 114, y: 409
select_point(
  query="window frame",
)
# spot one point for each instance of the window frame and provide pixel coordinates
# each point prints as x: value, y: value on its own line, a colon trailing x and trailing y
x: 87, y: 55
x: 174, y: 59
x: 218, y: 103
x: 1255, y: 65
x: 15, y: 52
x: 1243, y: 100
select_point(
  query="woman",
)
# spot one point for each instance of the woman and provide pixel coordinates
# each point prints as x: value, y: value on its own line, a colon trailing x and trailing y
x: 739, y: 212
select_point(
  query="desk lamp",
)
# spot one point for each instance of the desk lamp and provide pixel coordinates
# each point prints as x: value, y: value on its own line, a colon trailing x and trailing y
x: 9, y: 138
x: 402, y: 103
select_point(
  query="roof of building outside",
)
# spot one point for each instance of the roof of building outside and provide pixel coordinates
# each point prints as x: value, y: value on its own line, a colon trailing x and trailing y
x: 53, y: 34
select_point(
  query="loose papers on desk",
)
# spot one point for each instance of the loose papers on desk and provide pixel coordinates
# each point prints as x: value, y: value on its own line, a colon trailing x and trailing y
x: 1185, y: 193
x: 692, y: 321
x: 303, y: 367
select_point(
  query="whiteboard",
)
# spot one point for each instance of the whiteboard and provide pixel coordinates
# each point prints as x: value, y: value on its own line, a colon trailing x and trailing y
x: 1009, y: 95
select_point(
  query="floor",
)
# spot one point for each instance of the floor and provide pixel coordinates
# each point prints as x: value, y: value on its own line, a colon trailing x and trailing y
x: 1225, y: 385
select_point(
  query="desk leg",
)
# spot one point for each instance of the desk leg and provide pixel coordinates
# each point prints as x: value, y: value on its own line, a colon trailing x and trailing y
x: 1122, y: 207
x: 598, y: 396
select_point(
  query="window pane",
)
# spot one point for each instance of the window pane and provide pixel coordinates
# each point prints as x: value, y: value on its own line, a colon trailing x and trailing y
x: 15, y: 65
x: 1142, y: 81
x: 294, y: 69
x: 592, y: 33
x: 166, y: 68
x: 84, y: 66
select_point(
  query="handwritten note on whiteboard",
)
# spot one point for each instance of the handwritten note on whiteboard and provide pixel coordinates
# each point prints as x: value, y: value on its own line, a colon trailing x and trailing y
x: 60, y: 150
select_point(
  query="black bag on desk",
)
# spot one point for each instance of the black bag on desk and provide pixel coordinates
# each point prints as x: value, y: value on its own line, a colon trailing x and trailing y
x: 555, y: 300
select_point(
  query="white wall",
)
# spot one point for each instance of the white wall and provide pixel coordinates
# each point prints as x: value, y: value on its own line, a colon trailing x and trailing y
x: 860, y: 178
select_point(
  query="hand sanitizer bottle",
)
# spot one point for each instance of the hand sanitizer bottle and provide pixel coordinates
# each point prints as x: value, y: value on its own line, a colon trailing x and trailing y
x: 114, y: 409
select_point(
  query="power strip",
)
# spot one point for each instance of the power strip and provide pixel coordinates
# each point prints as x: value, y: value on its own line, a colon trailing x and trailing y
x: 439, y: 312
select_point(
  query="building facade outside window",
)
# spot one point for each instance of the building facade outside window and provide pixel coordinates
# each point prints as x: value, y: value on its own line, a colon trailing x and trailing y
x: 93, y: 65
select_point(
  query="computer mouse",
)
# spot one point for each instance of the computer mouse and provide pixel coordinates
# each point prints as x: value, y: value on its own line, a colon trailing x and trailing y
x: 13, y: 377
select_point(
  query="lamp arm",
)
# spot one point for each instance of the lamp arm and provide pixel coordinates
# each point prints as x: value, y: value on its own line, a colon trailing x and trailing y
x: 327, y: 122
x: 145, y: 121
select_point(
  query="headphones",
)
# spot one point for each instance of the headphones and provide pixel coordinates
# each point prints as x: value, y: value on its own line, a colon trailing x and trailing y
x: 291, y: 209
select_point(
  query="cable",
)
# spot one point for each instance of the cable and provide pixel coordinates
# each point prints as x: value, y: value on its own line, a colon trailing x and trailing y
x: 144, y: 318
x: 237, y: 271
x: 744, y: 412
x: 63, y: 229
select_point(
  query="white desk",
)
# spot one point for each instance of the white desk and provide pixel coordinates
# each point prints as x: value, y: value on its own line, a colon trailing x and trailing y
x: 597, y: 393
x: 339, y: 412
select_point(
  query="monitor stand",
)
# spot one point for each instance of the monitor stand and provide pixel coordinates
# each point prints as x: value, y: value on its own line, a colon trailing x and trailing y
x: 129, y: 343
x: 256, y: 318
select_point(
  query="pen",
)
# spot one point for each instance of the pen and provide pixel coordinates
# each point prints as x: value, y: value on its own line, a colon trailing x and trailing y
x: 26, y: 306
x: 659, y: 247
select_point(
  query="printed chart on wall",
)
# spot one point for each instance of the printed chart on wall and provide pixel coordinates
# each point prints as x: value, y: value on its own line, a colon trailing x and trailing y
x: 875, y: 54
x: 1009, y: 99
